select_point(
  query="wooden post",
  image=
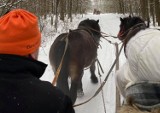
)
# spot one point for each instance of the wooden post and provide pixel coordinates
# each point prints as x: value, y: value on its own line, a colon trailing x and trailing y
x: 117, y: 92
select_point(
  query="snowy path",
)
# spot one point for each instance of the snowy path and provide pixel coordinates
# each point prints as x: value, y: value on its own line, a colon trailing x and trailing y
x: 109, y: 24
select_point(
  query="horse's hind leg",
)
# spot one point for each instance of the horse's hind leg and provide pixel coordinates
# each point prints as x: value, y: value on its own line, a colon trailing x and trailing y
x: 76, y: 76
x: 94, y: 79
x: 62, y: 81
x: 80, y: 92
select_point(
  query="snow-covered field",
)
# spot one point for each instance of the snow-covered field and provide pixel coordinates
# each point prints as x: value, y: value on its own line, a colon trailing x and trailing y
x: 109, y: 24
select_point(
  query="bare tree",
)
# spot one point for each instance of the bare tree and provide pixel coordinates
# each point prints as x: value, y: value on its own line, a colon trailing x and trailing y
x: 157, y: 11
x: 62, y: 9
x: 152, y: 11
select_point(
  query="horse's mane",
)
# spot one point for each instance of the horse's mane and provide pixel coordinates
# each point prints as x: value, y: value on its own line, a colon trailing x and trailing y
x: 128, y: 22
x: 91, y: 25
x: 129, y: 27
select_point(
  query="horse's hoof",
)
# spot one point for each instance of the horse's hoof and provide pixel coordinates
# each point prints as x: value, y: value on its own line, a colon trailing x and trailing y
x: 94, y: 80
x: 80, y: 93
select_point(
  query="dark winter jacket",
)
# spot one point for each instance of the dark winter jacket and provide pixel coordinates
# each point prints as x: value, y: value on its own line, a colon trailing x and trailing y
x: 21, y: 91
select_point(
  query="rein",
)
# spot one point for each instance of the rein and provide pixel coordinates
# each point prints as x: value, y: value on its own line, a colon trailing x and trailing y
x: 103, y: 36
x: 61, y: 62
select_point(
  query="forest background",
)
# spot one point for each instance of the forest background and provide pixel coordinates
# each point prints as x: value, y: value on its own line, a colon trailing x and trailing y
x: 57, y: 10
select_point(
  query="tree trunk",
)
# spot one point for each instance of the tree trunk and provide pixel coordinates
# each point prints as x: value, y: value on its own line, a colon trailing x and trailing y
x: 152, y: 11
x: 56, y: 12
x: 121, y: 6
x: 70, y: 10
x: 62, y: 7
x: 143, y: 9
x: 157, y: 11
x: 130, y: 7
x: 52, y: 12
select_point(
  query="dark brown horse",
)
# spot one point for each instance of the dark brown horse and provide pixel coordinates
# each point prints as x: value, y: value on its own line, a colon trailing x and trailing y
x: 79, y: 48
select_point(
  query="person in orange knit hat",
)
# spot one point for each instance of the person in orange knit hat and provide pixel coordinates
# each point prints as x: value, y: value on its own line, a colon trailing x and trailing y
x: 21, y: 90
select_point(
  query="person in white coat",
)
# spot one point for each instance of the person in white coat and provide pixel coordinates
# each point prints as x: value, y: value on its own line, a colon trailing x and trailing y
x: 143, y: 60
x: 142, y: 52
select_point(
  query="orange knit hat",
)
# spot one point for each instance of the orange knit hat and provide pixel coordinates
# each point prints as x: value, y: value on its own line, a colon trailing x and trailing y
x: 19, y: 33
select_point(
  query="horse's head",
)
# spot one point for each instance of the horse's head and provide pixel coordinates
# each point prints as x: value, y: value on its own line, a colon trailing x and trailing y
x: 128, y: 23
x: 91, y: 25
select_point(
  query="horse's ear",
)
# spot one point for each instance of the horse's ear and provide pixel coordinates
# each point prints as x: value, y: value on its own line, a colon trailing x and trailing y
x: 87, y: 18
x: 70, y: 30
x: 121, y: 19
x: 97, y: 21
x: 130, y: 16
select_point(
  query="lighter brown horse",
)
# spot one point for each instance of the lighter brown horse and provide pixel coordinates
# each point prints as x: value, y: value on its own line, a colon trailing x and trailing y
x: 81, y: 52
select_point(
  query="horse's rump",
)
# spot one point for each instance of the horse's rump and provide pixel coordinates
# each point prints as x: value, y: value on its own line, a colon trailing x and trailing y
x: 57, y: 51
x: 82, y: 47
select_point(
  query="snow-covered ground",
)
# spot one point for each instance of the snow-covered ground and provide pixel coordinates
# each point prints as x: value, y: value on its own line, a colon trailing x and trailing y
x: 109, y: 24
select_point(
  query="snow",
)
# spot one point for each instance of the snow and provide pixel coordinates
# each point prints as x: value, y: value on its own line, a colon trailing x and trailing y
x: 109, y: 24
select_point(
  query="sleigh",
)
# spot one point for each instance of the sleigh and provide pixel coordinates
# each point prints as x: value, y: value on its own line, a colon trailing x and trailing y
x: 142, y: 98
